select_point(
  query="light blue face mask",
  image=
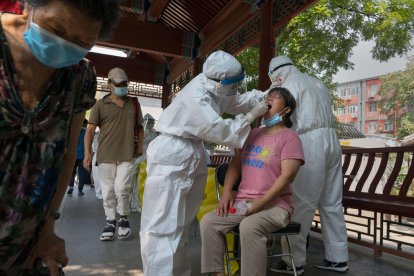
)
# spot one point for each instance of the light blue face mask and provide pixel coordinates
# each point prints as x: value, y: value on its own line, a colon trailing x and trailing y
x: 50, y: 49
x: 274, y: 120
x: 120, y: 91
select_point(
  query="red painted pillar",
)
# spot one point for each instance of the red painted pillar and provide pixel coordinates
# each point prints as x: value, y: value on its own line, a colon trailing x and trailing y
x: 196, y: 67
x: 266, y: 49
x: 266, y: 41
x: 166, y: 90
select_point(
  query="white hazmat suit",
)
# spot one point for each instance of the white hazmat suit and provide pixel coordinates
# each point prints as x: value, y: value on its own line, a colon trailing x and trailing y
x: 149, y: 135
x: 95, y: 169
x: 319, y: 183
x: 176, y: 163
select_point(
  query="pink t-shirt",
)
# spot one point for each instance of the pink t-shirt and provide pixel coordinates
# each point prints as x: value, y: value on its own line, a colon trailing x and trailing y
x: 261, y: 160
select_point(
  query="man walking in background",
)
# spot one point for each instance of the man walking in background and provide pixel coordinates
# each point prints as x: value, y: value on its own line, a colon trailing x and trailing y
x: 119, y: 119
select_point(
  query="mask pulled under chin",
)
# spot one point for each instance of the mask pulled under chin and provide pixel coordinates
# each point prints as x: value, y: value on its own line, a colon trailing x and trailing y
x: 274, y: 120
x: 50, y: 49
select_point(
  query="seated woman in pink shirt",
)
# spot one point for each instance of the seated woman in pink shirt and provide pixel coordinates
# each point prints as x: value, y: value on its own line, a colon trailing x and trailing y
x: 267, y: 164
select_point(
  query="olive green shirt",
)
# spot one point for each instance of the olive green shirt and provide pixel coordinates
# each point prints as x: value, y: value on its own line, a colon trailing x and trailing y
x: 116, y: 124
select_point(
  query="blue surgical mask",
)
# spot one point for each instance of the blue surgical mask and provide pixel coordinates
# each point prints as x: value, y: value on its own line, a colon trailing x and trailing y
x: 50, y: 49
x: 274, y: 120
x: 120, y: 91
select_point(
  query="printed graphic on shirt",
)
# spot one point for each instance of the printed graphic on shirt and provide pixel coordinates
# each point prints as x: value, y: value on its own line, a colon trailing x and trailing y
x: 257, y: 156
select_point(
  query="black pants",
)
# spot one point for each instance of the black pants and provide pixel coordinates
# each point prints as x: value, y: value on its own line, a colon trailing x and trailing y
x: 82, y: 174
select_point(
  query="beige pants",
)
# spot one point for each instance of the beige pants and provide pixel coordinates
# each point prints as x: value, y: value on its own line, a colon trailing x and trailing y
x: 116, y: 188
x: 253, y: 238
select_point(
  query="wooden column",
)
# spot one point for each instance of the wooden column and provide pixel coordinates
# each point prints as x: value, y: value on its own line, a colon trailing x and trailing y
x: 196, y: 67
x: 166, y: 89
x: 265, y: 42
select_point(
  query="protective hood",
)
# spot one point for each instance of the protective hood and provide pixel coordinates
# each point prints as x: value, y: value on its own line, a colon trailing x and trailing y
x: 148, y: 121
x: 221, y: 65
x: 278, y: 62
x: 279, y: 68
x: 148, y: 117
x: 224, y: 73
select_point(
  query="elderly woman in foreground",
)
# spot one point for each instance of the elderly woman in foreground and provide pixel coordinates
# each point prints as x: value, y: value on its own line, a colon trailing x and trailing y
x: 45, y: 88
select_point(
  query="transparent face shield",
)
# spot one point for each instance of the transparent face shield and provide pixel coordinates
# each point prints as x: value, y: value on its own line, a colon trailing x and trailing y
x: 233, y: 85
x: 242, y: 86
x: 273, y: 77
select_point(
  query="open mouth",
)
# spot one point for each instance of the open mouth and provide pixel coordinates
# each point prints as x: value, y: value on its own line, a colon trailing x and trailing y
x: 269, y: 106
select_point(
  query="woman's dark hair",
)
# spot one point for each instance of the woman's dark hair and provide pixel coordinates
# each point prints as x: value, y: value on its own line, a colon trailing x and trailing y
x: 106, y: 11
x: 289, y: 102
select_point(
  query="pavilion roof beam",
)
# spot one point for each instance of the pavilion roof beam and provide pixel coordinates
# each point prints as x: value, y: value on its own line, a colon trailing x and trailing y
x: 277, y: 25
x: 157, y: 8
x: 233, y: 17
x: 286, y: 20
x: 178, y: 66
x: 149, y: 37
x: 140, y: 69
x: 229, y: 20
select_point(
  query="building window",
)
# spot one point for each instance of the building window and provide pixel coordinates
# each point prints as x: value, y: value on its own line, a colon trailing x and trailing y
x: 340, y: 111
x: 389, y: 126
x: 372, y: 107
x: 341, y: 92
x: 352, y: 109
x: 353, y: 89
x: 373, y: 90
x: 372, y: 127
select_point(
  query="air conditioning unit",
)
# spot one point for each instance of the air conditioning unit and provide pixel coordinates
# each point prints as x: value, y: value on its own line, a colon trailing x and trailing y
x: 354, y: 116
x: 371, y: 95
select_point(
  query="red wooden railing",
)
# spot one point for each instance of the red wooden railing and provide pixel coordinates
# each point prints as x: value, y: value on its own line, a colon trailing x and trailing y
x: 378, y: 198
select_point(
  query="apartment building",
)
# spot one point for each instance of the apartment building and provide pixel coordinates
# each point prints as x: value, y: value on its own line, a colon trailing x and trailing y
x: 360, y: 107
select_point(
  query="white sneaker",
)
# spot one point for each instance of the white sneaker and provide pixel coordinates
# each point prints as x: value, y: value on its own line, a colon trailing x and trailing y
x: 108, y: 232
x: 123, y: 229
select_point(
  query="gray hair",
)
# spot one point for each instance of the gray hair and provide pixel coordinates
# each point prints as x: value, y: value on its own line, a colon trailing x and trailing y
x: 106, y: 11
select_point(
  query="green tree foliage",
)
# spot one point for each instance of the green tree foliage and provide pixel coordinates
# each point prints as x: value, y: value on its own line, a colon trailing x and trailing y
x: 250, y: 60
x: 406, y: 126
x: 397, y: 91
x: 320, y: 40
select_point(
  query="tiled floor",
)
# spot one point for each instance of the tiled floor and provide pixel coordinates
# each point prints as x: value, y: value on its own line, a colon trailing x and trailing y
x: 83, y: 220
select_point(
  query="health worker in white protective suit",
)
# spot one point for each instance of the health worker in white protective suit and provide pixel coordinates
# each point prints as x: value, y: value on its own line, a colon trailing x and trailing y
x: 176, y: 163
x: 149, y: 135
x: 319, y: 183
